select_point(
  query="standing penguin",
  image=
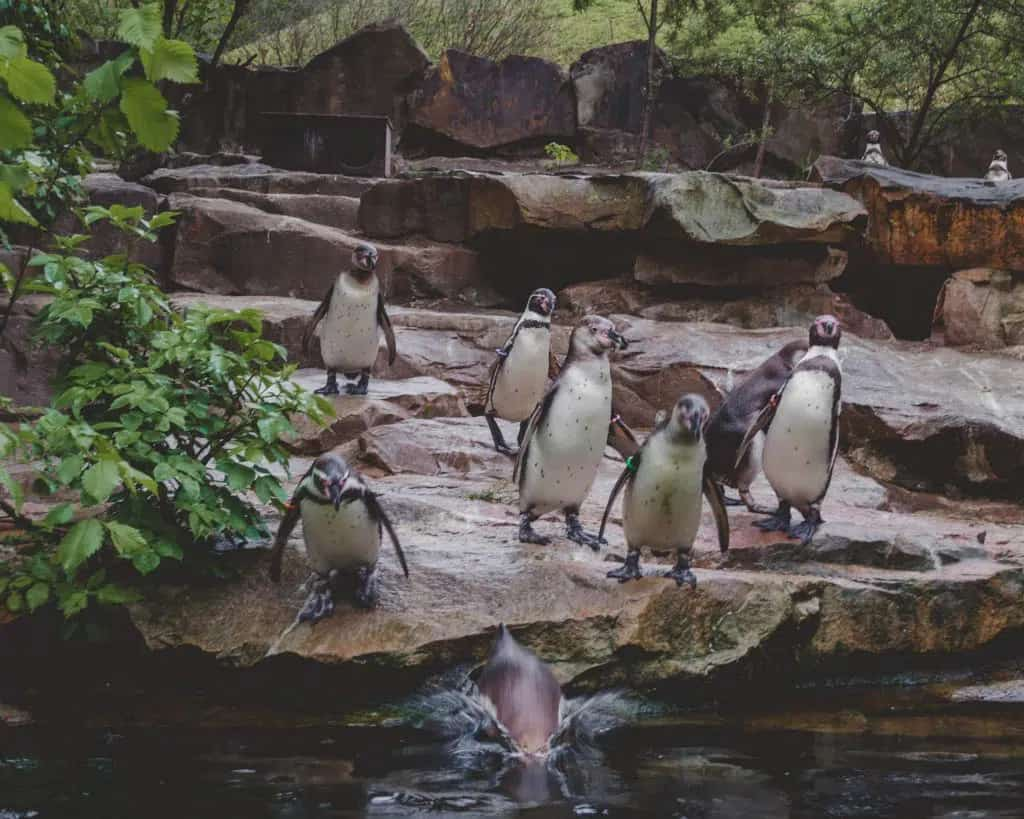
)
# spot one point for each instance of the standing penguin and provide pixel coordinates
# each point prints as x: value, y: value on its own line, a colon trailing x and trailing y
x: 733, y: 418
x: 873, y: 150
x: 803, y: 437
x: 341, y: 525
x: 353, y: 315
x: 564, y: 442
x: 998, y: 170
x: 664, y: 482
x: 527, y: 698
x: 521, y: 370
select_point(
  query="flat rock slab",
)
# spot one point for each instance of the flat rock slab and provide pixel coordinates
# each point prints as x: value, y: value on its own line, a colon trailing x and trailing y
x: 340, y: 212
x: 922, y: 220
x: 386, y: 402
x: 255, y: 177
x: 769, y: 597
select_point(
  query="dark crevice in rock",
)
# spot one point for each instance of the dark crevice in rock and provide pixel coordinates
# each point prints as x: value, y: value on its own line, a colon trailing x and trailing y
x: 904, y: 298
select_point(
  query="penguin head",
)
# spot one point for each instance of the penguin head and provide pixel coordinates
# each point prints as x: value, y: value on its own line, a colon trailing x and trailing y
x: 330, y: 473
x: 595, y: 335
x: 825, y: 332
x: 689, y: 416
x: 364, y: 258
x: 542, y: 302
x: 999, y: 155
x: 873, y: 137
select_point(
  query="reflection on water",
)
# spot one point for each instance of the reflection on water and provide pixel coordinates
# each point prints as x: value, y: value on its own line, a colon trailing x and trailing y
x: 875, y: 756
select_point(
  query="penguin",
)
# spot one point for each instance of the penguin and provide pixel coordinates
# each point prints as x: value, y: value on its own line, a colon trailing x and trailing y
x: 664, y: 482
x: 730, y: 422
x: 520, y: 371
x: 873, y: 150
x: 341, y: 525
x: 564, y: 442
x: 997, y: 169
x: 522, y: 689
x: 802, y: 440
x: 353, y: 314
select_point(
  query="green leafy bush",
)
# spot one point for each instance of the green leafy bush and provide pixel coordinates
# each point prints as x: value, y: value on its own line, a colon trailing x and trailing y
x: 560, y: 154
x: 164, y: 430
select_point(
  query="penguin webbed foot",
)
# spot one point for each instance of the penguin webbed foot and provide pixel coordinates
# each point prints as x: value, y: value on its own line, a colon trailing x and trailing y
x: 367, y: 593
x: 360, y: 387
x: 499, y: 439
x: 320, y: 602
x: 682, y: 573
x: 732, y: 501
x: 331, y: 387
x: 806, y: 529
x: 577, y: 534
x: 629, y: 570
x: 778, y: 521
x: 527, y: 534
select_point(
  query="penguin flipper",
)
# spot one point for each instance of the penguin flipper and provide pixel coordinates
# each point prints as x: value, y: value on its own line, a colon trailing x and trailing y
x: 622, y: 480
x: 318, y: 315
x: 716, y: 500
x: 539, y: 412
x: 284, y: 531
x: 499, y: 363
x: 553, y: 368
x: 621, y: 438
x: 385, y: 324
x: 378, y: 513
x: 760, y: 423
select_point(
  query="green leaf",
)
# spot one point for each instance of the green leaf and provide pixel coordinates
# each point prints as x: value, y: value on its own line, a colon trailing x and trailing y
x: 12, y: 487
x: 37, y: 595
x: 239, y: 476
x: 12, y: 42
x: 168, y: 548
x: 170, y: 60
x: 11, y: 210
x: 29, y: 81
x: 114, y: 595
x: 146, y: 110
x: 146, y: 561
x: 104, y: 83
x: 142, y: 26
x: 268, y: 487
x: 15, y: 128
x: 100, y: 479
x: 15, y: 602
x: 128, y: 540
x: 79, y: 544
x: 70, y: 468
x: 272, y: 428
x: 59, y: 516
x: 74, y: 603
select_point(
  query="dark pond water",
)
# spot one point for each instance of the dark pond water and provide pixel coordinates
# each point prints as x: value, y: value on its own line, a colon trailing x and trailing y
x: 891, y: 753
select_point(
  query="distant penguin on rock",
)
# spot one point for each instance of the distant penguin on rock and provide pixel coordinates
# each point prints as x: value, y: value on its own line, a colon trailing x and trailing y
x: 998, y: 171
x: 352, y: 316
x: 873, y: 150
x: 342, y: 521
x: 802, y: 440
x: 565, y: 440
x: 664, y: 483
x: 520, y: 372
x: 730, y: 422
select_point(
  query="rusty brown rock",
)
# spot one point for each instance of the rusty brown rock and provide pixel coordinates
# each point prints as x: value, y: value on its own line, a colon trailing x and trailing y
x: 982, y: 307
x: 737, y: 267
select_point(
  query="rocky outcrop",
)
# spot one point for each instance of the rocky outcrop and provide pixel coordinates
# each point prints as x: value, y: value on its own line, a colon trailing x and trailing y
x: 26, y: 370
x: 921, y: 220
x: 255, y: 177
x: 340, y: 212
x: 221, y: 246
x: 477, y: 104
x: 878, y: 584
x: 982, y: 308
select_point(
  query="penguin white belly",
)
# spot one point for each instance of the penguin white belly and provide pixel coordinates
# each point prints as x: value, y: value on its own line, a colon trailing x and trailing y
x: 662, y: 504
x: 524, y: 375
x: 797, y: 456
x: 567, y: 446
x: 346, y: 538
x: 349, y: 336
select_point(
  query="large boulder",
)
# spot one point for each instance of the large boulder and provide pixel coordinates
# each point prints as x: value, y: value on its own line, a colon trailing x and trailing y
x: 609, y: 84
x: 222, y: 246
x: 334, y: 211
x: 475, y: 103
x: 921, y: 220
x: 26, y: 371
x: 982, y: 308
x: 256, y: 177
x: 369, y: 72
x: 740, y: 267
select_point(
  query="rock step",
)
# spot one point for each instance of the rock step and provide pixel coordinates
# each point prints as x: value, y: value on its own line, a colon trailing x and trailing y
x: 255, y: 177
x: 340, y: 212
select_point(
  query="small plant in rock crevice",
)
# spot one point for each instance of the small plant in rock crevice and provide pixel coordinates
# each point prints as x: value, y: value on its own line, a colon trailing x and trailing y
x: 163, y: 428
x: 560, y: 154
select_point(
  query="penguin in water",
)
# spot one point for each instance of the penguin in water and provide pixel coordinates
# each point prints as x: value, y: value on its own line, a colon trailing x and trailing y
x: 664, y: 482
x: 998, y: 171
x: 733, y: 418
x: 353, y: 314
x: 526, y: 697
x: 564, y: 442
x: 341, y: 525
x: 802, y: 441
x: 873, y: 150
x: 520, y: 372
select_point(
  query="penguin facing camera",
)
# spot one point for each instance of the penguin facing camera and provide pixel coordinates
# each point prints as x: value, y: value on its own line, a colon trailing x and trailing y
x: 730, y: 422
x: 664, y: 483
x: 802, y: 439
x: 351, y: 317
x: 565, y: 440
x: 873, y: 150
x: 998, y: 170
x: 521, y: 370
x: 342, y: 523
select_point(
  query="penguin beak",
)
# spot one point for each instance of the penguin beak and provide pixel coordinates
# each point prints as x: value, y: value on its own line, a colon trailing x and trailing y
x: 620, y: 342
x: 696, y: 424
x: 334, y: 490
